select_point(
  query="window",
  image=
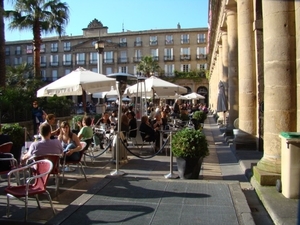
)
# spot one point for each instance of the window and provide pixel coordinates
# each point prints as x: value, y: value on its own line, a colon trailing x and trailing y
x: 54, y: 47
x: 43, y: 75
x: 93, y: 58
x: 138, y: 41
x: 123, y: 42
x: 54, y: 75
x: 153, y: 40
x: 185, y: 39
x: 67, y: 59
x: 7, y: 51
x: 54, y: 60
x: 43, y: 61
x: 108, y: 70
x: 123, y: 58
x: 29, y: 60
x: 18, y: 50
x: 7, y: 62
x: 201, y: 53
x: 137, y: 55
x: 201, y: 38
x: 67, y: 71
x: 80, y: 58
x: 154, y: 54
x: 202, y: 66
x: 168, y: 54
x: 43, y: 48
x: 185, y: 54
x: 108, y: 57
x: 169, y: 39
x: 18, y: 61
x: 169, y: 70
x: 29, y: 49
x: 185, y: 67
x: 123, y: 69
x: 67, y: 46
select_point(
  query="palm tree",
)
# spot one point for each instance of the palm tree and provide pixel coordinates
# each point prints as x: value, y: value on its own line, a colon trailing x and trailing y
x: 148, y: 65
x: 39, y: 16
x: 2, y: 46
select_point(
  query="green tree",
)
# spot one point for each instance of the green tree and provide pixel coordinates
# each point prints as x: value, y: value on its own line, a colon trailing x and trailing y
x: 40, y: 16
x: 148, y: 65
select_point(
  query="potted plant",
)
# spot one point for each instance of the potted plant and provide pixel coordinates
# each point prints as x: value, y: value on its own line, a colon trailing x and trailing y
x: 198, y: 118
x: 189, y: 146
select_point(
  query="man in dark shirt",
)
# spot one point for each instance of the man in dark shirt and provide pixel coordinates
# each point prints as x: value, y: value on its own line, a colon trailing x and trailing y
x: 4, y: 138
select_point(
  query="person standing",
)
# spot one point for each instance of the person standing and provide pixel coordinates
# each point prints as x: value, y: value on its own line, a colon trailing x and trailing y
x: 38, y: 116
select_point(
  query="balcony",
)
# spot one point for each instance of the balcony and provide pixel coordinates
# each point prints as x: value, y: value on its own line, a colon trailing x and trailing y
x: 169, y: 42
x: 29, y: 51
x: 54, y: 49
x: 185, y: 41
x: 54, y: 64
x: 185, y: 57
x: 93, y: 61
x: 201, y: 57
x: 108, y: 61
x: 155, y: 58
x: 123, y: 60
x: 123, y: 44
x: 67, y: 49
x: 153, y: 43
x: 138, y: 43
x: 80, y: 62
x: 201, y: 40
x: 43, y: 50
x: 168, y: 58
x: 67, y: 63
x: 43, y: 64
x: 137, y: 59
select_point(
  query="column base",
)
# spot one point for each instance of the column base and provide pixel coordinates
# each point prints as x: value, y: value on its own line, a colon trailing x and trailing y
x: 265, y: 178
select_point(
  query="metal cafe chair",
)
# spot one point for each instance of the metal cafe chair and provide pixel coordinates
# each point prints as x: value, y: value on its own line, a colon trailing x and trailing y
x: 34, y: 185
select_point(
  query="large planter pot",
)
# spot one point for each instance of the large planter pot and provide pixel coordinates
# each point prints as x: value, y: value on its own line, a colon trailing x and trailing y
x: 189, y: 168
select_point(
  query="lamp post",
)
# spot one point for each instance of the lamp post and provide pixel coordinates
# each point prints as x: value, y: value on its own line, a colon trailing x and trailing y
x: 99, y: 46
x: 121, y: 80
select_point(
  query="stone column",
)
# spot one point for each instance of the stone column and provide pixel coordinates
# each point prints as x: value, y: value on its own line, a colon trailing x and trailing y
x: 225, y: 59
x: 279, y: 79
x: 247, y: 90
x: 297, y: 16
x: 232, y: 63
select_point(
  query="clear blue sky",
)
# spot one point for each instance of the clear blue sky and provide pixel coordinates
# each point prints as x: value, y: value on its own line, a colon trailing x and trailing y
x: 134, y: 14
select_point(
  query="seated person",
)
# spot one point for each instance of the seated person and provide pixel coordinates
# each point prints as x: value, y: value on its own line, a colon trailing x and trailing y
x: 69, y: 141
x: 4, y: 138
x: 45, y: 146
x: 51, y: 119
x: 114, y: 117
x: 147, y: 131
x: 132, y: 124
x: 86, y: 131
x: 105, y: 121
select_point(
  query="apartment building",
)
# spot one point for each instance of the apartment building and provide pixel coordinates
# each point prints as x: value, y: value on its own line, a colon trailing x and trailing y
x: 174, y: 49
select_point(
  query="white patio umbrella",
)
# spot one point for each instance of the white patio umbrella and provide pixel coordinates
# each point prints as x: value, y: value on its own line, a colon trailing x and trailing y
x: 156, y: 85
x: 78, y: 82
x: 192, y: 96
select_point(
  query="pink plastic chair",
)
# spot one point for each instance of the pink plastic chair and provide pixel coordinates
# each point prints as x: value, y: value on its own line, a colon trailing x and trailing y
x: 6, y: 147
x: 34, y: 184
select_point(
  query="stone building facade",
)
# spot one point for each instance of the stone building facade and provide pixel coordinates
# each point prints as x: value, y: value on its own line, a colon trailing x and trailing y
x: 174, y: 49
x: 254, y: 48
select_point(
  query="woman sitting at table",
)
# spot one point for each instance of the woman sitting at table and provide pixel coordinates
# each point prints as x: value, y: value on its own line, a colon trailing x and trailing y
x: 69, y: 141
x: 149, y: 133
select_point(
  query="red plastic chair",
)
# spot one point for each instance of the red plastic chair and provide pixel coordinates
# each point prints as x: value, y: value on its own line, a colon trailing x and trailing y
x: 55, y: 159
x: 6, y: 147
x: 66, y: 162
x: 34, y: 184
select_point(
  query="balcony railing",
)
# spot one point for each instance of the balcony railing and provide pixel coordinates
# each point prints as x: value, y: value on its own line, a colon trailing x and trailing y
x: 43, y: 64
x: 67, y: 49
x: 93, y: 61
x: 201, y: 57
x: 138, y: 43
x: 108, y: 61
x: 185, y: 57
x: 80, y: 62
x: 18, y: 52
x: 185, y: 41
x: 168, y: 58
x: 155, y: 58
x: 53, y: 63
x: 201, y: 40
x: 169, y: 42
x: 54, y: 49
x: 123, y: 60
x: 67, y: 63
x: 123, y: 44
x: 153, y: 43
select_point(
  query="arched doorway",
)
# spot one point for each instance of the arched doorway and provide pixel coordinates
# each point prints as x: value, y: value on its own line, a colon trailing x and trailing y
x: 203, y: 91
x: 189, y: 90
